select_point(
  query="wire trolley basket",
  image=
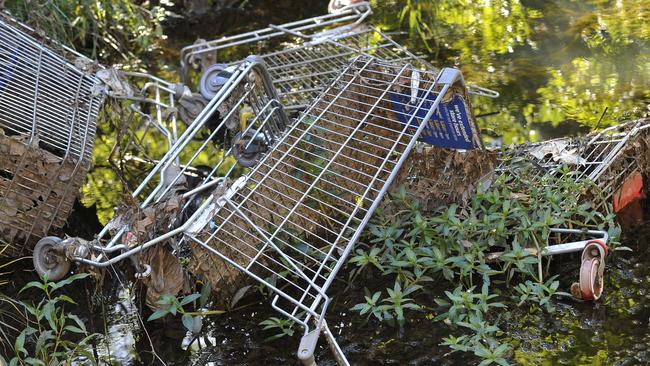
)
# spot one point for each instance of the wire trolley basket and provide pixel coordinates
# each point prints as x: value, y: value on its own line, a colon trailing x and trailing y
x: 607, y: 158
x: 49, y: 103
x: 316, y: 50
x: 287, y: 200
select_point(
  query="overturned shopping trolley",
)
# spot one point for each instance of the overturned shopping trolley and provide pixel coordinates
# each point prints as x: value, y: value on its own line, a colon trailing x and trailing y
x: 315, y: 51
x: 49, y: 101
x: 616, y: 160
x: 609, y: 158
x: 287, y: 201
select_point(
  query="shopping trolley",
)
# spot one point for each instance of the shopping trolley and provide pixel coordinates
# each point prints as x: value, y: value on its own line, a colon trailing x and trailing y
x: 49, y: 101
x: 315, y: 51
x: 286, y: 202
x: 608, y: 157
x: 612, y: 159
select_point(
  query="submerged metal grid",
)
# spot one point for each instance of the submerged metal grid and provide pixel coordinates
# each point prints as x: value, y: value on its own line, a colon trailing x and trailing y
x: 599, y: 157
x: 294, y: 32
x: 248, y: 91
x: 48, y: 114
x: 291, y: 222
x: 148, y: 127
x: 311, y: 60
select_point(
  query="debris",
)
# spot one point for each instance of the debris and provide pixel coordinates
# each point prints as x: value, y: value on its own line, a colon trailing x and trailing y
x: 36, y: 191
x: 439, y: 177
x: 116, y: 84
x: 608, y: 158
x: 559, y: 151
x: 46, y: 139
x: 167, y: 275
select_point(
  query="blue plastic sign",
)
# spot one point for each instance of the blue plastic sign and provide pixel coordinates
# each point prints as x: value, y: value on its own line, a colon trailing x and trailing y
x: 450, y: 126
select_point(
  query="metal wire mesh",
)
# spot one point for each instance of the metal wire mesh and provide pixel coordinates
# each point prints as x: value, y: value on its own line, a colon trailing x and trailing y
x: 293, y: 219
x: 310, y: 60
x: 248, y: 105
x: 147, y: 126
x: 48, y: 113
x: 606, y: 158
x: 43, y: 94
x: 298, y: 31
x: 194, y: 163
x: 301, y: 73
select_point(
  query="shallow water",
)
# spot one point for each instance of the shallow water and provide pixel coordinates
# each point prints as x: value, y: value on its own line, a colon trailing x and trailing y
x: 612, y: 331
x: 558, y: 64
x: 562, y: 68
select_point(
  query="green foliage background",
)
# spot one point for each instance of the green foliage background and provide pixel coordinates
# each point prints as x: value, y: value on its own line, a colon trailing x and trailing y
x: 558, y: 64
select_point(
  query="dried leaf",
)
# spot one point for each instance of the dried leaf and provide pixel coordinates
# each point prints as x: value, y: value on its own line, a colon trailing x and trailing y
x: 167, y: 276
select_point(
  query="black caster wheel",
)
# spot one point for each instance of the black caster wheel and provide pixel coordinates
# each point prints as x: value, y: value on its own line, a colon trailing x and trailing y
x: 248, y: 148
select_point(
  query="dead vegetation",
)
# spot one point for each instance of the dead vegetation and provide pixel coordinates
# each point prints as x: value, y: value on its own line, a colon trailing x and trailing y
x: 38, y: 192
x: 328, y: 169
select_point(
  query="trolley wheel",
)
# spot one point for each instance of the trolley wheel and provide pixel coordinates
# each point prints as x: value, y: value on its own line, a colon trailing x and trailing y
x: 213, y: 78
x: 248, y: 148
x: 190, y: 108
x: 590, y: 286
x: 49, y: 258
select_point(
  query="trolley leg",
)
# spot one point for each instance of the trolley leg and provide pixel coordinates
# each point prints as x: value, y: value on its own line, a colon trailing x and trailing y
x: 334, y: 346
x: 308, y: 346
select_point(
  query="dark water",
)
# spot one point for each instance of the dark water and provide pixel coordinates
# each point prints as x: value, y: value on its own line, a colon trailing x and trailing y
x: 562, y: 68
x: 613, y: 331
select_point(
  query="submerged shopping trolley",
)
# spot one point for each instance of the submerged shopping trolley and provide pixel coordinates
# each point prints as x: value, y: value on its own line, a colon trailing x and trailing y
x: 615, y: 160
x: 315, y: 50
x: 49, y: 101
x: 287, y: 201
x: 609, y: 158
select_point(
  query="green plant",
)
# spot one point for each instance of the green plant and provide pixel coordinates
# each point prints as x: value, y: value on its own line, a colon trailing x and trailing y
x: 482, y: 341
x: 364, y: 258
x: 492, y: 354
x: 465, y: 304
x: 539, y: 293
x: 192, y: 320
x: 371, y: 307
x: 52, y: 334
x: 284, y: 326
x: 495, y: 240
x: 397, y: 300
x: 418, y: 14
x: 9, y: 310
x: 111, y: 30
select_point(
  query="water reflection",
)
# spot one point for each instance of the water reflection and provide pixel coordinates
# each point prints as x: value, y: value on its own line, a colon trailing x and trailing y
x: 562, y: 67
x: 553, y: 61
